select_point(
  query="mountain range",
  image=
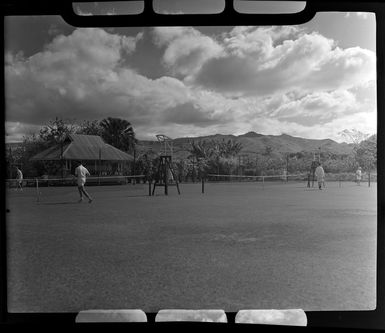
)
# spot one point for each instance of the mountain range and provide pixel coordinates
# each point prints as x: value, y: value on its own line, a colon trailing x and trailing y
x: 256, y: 143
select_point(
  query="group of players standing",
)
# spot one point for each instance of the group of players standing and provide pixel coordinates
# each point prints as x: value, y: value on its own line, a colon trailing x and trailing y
x: 319, y: 173
x: 80, y: 172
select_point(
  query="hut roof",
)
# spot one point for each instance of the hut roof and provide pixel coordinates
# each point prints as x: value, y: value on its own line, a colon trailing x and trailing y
x: 83, y: 147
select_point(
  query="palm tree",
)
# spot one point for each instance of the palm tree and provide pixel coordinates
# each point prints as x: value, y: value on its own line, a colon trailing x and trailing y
x: 200, y: 149
x: 201, y: 153
x: 229, y: 148
x: 118, y: 133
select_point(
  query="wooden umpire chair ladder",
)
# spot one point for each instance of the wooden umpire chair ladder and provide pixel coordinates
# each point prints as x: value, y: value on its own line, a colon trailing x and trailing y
x: 165, y: 175
x: 311, y: 175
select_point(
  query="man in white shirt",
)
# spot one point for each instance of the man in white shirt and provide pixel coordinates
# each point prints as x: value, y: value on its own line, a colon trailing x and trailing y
x: 358, y: 176
x: 19, y: 178
x: 81, y: 173
x: 320, y: 174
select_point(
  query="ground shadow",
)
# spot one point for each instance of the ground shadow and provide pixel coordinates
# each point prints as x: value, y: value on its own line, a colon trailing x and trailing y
x: 137, y: 195
x: 59, y: 203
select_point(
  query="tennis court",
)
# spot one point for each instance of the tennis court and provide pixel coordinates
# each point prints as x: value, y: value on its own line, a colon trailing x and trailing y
x: 235, y: 246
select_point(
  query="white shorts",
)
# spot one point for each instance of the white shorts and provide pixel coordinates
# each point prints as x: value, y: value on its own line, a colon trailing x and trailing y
x: 81, y: 182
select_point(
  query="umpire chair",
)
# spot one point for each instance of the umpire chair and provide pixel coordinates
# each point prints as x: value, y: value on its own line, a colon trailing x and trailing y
x: 165, y: 175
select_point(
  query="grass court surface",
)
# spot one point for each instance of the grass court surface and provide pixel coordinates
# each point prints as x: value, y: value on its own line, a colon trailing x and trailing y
x: 237, y: 246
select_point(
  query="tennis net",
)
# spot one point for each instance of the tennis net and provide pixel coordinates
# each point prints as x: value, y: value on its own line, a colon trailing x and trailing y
x: 49, y: 187
x: 332, y: 178
x: 72, y: 181
x: 265, y: 179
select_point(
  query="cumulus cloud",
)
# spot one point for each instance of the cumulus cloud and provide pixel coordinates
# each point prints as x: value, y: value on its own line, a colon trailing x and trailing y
x: 69, y: 66
x: 82, y: 74
x: 186, y: 49
x: 364, y: 122
x: 244, y: 41
x: 269, y: 80
x: 191, y: 114
x: 317, y: 108
x: 254, y: 62
x: 263, y: 60
x: 315, y: 115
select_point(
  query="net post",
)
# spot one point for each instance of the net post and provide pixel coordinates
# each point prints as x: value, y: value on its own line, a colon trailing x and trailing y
x: 37, y: 190
x: 149, y: 187
x: 263, y: 182
x: 203, y: 185
x: 369, y: 180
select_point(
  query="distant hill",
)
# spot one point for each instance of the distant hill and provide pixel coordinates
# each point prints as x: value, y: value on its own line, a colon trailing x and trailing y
x: 256, y: 143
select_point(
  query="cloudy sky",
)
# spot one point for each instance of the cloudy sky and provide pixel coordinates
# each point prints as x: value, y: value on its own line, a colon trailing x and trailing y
x: 312, y: 80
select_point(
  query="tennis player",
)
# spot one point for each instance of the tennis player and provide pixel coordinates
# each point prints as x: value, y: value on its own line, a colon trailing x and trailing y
x: 358, y: 176
x: 19, y: 179
x: 320, y: 174
x: 81, y: 173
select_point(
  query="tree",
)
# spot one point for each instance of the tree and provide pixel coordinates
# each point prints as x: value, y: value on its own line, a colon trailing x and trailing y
x: 266, y: 161
x: 366, y: 153
x: 148, y: 164
x: 201, y: 152
x: 354, y: 136
x: 17, y: 156
x: 88, y: 127
x: 32, y: 145
x: 229, y: 148
x: 118, y: 133
x: 214, y: 155
x: 201, y: 149
x: 181, y: 167
x: 55, y: 131
x: 364, y: 148
x: 51, y: 134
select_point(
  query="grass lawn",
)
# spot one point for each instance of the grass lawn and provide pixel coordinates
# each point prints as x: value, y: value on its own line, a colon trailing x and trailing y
x: 237, y: 246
